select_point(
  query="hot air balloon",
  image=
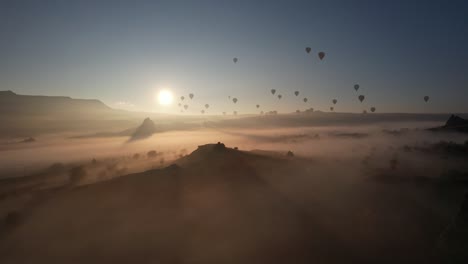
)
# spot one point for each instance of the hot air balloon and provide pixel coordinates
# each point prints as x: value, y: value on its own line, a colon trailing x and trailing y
x: 234, y: 100
x: 234, y: 60
x: 224, y: 113
x: 356, y: 87
x: 182, y: 98
x: 364, y: 112
x: 308, y: 49
x: 331, y: 108
x: 279, y: 96
x: 426, y: 98
x: 191, y: 96
x: 372, y: 109
x: 235, y: 112
x: 207, y: 105
x: 273, y: 91
x: 334, y: 101
x: 361, y: 98
x: 296, y: 93
x: 258, y: 106
x: 321, y: 55
x: 305, y: 100
x: 298, y: 111
x: 229, y: 97
x: 202, y: 111
x: 185, y: 107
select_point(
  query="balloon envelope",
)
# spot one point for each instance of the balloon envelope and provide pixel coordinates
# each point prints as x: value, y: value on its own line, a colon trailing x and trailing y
x: 234, y: 100
x: 361, y: 98
x: 182, y: 98
x: 234, y: 60
x: 426, y: 98
x: 258, y: 106
x: 279, y: 96
x: 296, y: 93
x: 321, y: 55
x: 372, y: 109
x: 356, y: 87
x: 305, y: 100
x: 207, y: 105
x: 331, y: 108
x: 191, y: 96
x: 308, y: 49
x: 334, y: 101
x: 273, y: 91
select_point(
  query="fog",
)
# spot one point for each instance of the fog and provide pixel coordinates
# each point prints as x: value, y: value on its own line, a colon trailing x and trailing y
x: 358, y: 189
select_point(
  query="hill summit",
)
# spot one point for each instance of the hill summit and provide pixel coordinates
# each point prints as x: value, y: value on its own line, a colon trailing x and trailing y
x: 145, y: 130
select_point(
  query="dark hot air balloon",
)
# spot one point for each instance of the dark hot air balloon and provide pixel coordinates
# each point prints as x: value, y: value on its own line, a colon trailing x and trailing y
x: 331, y: 108
x: 426, y: 98
x: 202, y: 111
x: 308, y: 49
x: 207, y: 105
x: 279, y: 96
x: 296, y: 93
x: 361, y: 98
x: 182, y: 98
x: 235, y: 112
x: 298, y: 111
x: 364, y: 112
x: 258, y: 106
x: 356, y: 87
x: 372, y: 109
x: 334, y: 101
x: 191, y: 95
x: 305, y: 100
x: 273, y: 91
x: 321, y: 55
x: 224, y: 113
x: 234, y: 60
x: 234, y: 100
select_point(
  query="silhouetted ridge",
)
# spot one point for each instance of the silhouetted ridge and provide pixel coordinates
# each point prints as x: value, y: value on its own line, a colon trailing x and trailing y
x: 145, y: 130
x: 456, y: 121
x: 14, y: 104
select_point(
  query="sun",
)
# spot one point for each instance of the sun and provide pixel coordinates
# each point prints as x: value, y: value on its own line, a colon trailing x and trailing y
x: 165, y: 97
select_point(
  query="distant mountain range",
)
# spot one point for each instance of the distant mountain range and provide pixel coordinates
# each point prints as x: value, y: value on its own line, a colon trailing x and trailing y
x: 29, y: 116
x: 14, y: 104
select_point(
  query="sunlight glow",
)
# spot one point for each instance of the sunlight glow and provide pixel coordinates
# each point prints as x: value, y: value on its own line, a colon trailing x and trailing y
x: 165, y: 97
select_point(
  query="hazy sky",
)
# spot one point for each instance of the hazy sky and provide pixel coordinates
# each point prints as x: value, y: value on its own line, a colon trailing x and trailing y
x: 125, y: 51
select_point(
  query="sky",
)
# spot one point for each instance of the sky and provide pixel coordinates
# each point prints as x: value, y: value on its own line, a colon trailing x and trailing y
x: 124, y: 52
